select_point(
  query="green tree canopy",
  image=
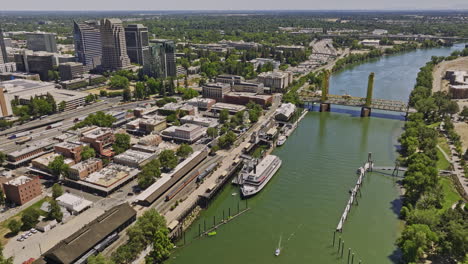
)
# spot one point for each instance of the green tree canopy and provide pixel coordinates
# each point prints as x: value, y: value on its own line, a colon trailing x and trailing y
x: 118, y: 82
x: 58, y: 167
x: 122, y: 143
x: 56, y: 190
x: 29, y: 218
x: 184, y: 150
x: 149, y: 173
x: 87, y: 153
x: 14, y: 226
x: 168, y: 159
x: 54, y: 211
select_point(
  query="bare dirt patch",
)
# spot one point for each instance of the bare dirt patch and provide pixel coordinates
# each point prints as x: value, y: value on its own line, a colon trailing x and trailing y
x: 439, y: 84
x: 462, y: 129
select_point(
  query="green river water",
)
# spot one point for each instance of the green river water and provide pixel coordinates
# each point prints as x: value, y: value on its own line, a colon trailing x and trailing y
x: 304, y: 201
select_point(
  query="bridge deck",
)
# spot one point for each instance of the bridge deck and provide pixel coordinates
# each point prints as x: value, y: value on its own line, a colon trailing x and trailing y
x: 381, y: 104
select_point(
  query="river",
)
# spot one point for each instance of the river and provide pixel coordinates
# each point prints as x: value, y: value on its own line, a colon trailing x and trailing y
x: 304, y: 201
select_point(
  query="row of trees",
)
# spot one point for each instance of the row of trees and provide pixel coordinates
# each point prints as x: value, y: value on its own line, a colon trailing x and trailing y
x: 37, y: 106
x: 167, y: 160
x: 431, y: 230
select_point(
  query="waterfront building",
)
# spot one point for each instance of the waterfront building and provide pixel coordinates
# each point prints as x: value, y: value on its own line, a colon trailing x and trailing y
x: 136, y: 37
x: 87, y: 41
x: 114, y: 48
x: 70, y: 70
x: 41, y: 41
x: 92, y: 238
x: 22, y: 189
x: 215, y: 90
x: 285, y: 112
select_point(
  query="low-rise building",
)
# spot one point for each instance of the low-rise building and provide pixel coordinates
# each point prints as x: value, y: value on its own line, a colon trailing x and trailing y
x: 285, y: 112
x: 23, y: 156
x: 370, y: 42
x: 200, y: 121
x: 73, y: 203
x: 278, y: 81
x: 42, y: 162
x: 247, y: 87
x: 150, y: 140
x: 71, y: 150
x: 22, y: 189
x: 92, y: 238
x: 186, y: 133
x: 244, y: 98
x: 231, y: 108
x: 229, y: 79
x: 99, y: 138
x: 7, y: 67
x: 216, y: 90
x: 83, y: 169
x: 134, y: 158
x: 261, y: 61
x: 152, y: 125
x: 70, y: 70
x: 204, y: 104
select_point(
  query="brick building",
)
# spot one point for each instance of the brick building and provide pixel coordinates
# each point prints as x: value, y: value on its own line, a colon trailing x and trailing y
x: 71, y: 150
x: 84, y: 169
x: 99, y: 138
x: 22, y: 189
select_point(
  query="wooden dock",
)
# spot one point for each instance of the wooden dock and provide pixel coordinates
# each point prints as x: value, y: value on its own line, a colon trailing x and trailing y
x: 223, y: 221
x: 362, y: 172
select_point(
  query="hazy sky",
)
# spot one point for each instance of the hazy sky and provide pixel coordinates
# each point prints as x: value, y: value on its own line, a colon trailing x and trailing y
x: 230, y: 4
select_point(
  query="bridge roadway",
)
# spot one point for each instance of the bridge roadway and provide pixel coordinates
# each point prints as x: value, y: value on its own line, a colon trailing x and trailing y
x: 381, y: 104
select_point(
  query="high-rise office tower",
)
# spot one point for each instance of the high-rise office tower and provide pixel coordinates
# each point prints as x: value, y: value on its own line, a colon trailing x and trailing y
x: 136, y: 37
x: 114, y: 49
x: 41, y: 41
x: 3, y: 53
x: 87, y: 40
x: 162, y: 62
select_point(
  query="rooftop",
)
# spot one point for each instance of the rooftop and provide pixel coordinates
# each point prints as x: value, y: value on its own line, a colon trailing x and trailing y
x: 78, y: 203
x: 30, y: 148
x: 19, y: 181
x: 187, y: 127
x: 84, y: 164
x: 231, y: 107
x: 97, y: 132
x: 110, y: 175
x: 133, y: 156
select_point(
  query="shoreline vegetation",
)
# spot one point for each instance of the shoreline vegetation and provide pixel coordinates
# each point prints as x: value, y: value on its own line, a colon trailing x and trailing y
x: 433, y: 229
x: 356, y: 59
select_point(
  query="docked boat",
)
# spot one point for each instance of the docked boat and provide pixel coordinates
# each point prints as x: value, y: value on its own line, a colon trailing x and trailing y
x: 255, y: 176
x: 281, y: 140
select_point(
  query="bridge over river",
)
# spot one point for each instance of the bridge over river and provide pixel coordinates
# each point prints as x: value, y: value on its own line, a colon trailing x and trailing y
x: 366, y: 103
x: 381, y: 104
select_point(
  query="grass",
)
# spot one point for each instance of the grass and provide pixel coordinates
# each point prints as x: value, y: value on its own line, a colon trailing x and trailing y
x: 434, y: 125
x: 4, y: 230
x: 442, y: 142
x: 451, y: 195
x: 442, y: 162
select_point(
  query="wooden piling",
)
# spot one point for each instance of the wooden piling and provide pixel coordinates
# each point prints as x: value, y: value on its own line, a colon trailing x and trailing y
x: 204, y: 225
x: 214, y: 220
x: 349, y: 253
x: 342, y: 248
x: 339, y: 245
x: 334, y: 234
x: 199, y: 229
x: 352, y: 259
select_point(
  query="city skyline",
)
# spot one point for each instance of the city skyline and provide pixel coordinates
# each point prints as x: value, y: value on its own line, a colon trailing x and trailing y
x: 146, y: 5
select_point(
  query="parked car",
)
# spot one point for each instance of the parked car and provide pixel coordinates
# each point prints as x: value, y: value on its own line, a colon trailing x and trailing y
x: 33, y: 230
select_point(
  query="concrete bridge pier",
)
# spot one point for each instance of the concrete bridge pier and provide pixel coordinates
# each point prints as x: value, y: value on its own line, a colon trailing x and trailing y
x: 365, y: 111
x: 325, y: 107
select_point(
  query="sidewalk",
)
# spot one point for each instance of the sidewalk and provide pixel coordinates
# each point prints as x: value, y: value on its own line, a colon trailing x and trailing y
x: 455, y: 161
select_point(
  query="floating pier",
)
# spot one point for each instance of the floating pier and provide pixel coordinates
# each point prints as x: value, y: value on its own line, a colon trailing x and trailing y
x: 222, y: 222
x: 362, y: 172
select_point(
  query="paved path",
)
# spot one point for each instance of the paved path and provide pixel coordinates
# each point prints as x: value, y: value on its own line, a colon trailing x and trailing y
x: 457, y: 167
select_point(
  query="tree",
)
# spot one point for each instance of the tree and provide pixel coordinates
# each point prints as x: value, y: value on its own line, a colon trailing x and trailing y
x: 29, y: 218
x: 189, y: 94
x: 54, y: 211
x: 14, y: 226
x: 62, y: 105
x: 464, y: 112
x: 140, y: 91
x: 87, y: 153
x: 212, y: 132
x: 118, y: 82
x: 2, y: 157
x: 223, y: 116
x: 99, y: 119
x: 127, y: 95
x: 415, y: 241
x: 58, y: 167
x: 168, y: 159
x: 2, y: 197
x: 149, y: 173
x: 56, y: 190
x: 162, y: 246
x: 122, y: 143
x: 184, y: 151
x: 99, y: 259
x: 90, y: 98
x: 226, y: 141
